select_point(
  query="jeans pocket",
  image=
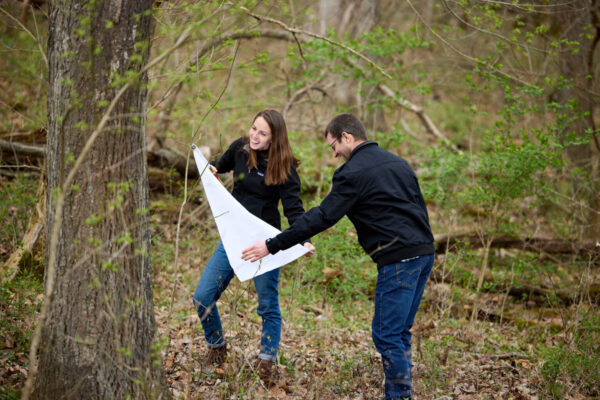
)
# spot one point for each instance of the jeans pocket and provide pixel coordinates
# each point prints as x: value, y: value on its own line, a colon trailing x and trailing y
x: 407, y: 274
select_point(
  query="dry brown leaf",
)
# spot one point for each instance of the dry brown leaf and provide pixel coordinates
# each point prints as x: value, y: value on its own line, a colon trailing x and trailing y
x: 330, y: 274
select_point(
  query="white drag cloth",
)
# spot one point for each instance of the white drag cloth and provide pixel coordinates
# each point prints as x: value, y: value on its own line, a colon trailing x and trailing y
x: 239, y: 229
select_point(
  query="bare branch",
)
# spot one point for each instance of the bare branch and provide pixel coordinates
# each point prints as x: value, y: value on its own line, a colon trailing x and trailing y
x: 326, y: 39
x: 185, y: 194
x: 466, y: 56
x: 302, y: 92
x: 425, y: 120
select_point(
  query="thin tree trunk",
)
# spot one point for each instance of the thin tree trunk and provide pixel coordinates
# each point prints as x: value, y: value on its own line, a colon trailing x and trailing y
x: 97, y: 338
x: 484, y: 266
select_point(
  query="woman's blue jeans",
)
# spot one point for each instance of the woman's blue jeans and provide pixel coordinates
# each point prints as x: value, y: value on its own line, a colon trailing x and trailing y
x: 397, y: 296
x: 215, y: 279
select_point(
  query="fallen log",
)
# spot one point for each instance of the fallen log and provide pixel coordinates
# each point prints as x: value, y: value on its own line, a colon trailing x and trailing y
x: 449, y: 242
x: 29, y: 150
x: 541, y: 295
x: 36, y: 136
x: 160, y: 158
x: 165, y: 158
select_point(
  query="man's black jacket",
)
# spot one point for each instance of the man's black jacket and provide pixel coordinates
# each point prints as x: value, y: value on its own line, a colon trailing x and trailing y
x: 250, y: 190
x: 380, y: 194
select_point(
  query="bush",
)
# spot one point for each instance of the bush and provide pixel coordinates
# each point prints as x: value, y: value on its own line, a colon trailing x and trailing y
x: 575, y: 365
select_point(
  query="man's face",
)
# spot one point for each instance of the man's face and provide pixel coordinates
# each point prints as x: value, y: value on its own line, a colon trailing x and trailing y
x: 340, y: 147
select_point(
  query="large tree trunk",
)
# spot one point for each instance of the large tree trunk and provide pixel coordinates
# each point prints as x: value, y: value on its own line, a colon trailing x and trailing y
x: 98, y: 335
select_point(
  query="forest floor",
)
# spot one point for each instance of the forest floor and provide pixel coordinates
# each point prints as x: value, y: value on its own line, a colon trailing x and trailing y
x: 515, y: 349
x: 326, y: 350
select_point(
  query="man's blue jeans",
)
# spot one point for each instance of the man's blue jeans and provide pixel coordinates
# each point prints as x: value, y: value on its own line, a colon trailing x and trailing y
x: 397, y: 296
x: 215, y: 279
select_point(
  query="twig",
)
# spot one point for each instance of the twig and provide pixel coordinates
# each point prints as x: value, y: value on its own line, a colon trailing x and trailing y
x: 504, y: 38
x: 504, y: 356
x: 176, y: 87
x: 185, y: 191
x: 427, y: 122
x: 305, y: 90
x: 37, y: 41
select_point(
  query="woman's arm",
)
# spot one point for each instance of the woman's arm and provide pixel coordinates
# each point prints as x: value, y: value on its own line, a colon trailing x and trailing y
x: 227, y: 160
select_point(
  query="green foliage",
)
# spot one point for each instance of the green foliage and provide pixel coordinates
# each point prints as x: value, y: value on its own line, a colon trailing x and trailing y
x: 575, y: 364
x: 314, y: 170
x: 434, y: 377
x: 17, y: 199
x: 20, y: 299
x: 317, y: 56
x: 500, y: 105
x: 9, y: 393
x: 23, y: 104
x: 511, y: 166
x: 337, y: 249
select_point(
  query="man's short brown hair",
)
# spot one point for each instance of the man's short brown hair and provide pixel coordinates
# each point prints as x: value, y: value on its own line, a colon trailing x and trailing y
x: 346, y: 123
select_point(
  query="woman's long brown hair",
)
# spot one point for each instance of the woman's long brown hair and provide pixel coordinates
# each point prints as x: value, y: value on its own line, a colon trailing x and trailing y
x: 281, y: 157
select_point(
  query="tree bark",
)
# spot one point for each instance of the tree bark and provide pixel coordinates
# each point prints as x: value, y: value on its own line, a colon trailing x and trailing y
x: 97, y: 338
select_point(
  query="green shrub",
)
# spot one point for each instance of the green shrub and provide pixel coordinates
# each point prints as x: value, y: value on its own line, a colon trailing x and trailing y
x: 17, y: 199
x: 575, y: 365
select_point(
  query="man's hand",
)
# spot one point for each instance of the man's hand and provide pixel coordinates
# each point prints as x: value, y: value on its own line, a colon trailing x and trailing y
x: 255, y: 252
x: 310, y: 248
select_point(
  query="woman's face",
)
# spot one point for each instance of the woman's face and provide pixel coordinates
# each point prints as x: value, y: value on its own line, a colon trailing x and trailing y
x: 260, y: 135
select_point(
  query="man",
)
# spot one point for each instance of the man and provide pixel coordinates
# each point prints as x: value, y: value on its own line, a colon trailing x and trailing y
x: 380, y: 194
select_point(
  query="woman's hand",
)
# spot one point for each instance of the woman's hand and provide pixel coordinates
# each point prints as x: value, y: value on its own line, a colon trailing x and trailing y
x: 311, y: 249
x: 214, y: 172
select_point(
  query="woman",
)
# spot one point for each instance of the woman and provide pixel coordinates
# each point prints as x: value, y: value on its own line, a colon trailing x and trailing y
x: 264, y: 170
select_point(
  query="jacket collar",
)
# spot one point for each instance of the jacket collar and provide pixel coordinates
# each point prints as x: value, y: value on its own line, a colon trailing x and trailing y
x: 361, y: 146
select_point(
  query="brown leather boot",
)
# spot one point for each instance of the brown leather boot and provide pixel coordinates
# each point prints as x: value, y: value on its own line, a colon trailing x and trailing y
x: 215, y: 357
x: 267, y: 371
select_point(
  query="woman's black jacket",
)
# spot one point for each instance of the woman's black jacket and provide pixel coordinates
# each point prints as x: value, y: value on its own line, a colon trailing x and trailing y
x: 250, y: 190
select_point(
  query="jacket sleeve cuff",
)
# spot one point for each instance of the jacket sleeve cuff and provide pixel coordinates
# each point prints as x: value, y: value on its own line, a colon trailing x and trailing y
x: 272, y: 245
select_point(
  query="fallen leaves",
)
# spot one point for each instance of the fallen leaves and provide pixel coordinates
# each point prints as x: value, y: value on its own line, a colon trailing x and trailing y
x: 331, y: 274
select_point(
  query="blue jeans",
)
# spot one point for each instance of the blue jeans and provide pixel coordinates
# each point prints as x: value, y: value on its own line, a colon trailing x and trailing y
x: 397, y: 296
x: 214, y: 280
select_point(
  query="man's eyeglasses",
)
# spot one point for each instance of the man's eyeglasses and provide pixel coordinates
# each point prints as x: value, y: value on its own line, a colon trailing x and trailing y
x: 332, y: 144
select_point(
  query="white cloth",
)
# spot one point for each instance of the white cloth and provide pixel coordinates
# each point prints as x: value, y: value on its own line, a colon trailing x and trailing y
x: 239, y: 229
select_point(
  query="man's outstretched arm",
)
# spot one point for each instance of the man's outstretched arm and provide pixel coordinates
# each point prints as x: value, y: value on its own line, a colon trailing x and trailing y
x: 259, y: 250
